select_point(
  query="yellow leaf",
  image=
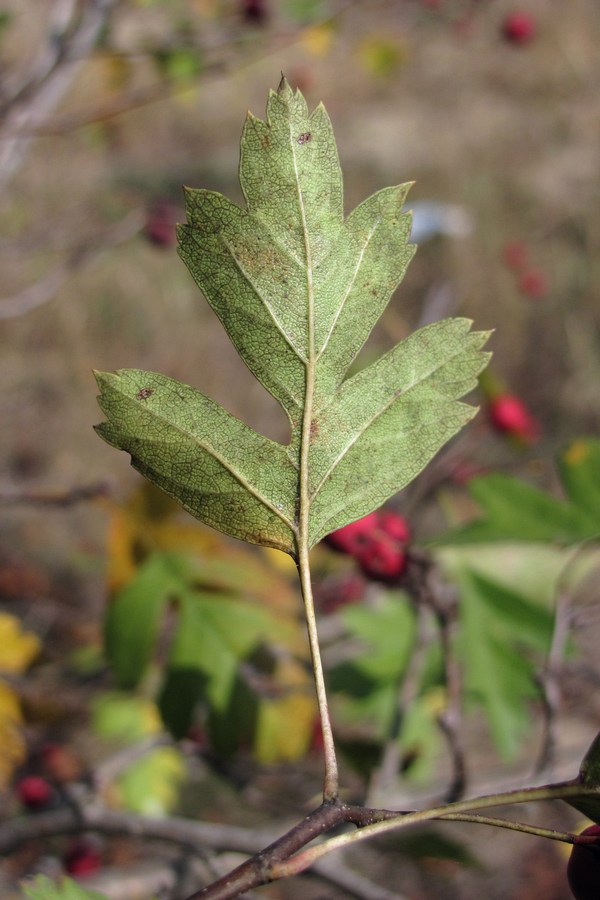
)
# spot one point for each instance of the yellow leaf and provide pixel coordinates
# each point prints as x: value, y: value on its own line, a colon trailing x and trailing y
x: 317, y: 39
x: 18, y: 648
x: 12, y: 743
x: 284, y: 726
x: 147, y: 522
x: 577, y: 452
x: 381, y: 56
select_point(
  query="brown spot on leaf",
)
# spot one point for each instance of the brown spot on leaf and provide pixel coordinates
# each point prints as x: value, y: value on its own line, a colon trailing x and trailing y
x: 144, y: 393
x: 305, y: 137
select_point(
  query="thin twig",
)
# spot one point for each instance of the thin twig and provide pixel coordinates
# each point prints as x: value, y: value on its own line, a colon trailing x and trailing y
x: 70, y: 497
x: 43, y: 291
x: 33, y: 106
x: 548, y: 679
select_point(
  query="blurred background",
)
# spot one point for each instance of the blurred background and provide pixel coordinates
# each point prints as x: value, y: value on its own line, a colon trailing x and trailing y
x: 108, y: 107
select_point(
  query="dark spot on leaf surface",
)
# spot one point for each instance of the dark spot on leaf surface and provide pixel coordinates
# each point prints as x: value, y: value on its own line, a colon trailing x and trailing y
x: 144, y: 393
x: 305, y: 137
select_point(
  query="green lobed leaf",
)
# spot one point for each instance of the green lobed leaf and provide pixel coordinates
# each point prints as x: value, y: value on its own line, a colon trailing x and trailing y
x: 298, y: 290
x: 213, y: 632
x: 515, y: 510
x: 500, y: 634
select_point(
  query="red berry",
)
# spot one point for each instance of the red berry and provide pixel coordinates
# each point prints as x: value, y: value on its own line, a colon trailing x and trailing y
x: 583, y: 869
x: 161, y: 222
x: 349, y: 538
x: 509, y: 415
x: 515, y: 255
x: 519, y: 28
x: 394, y: 525
x: 532, y: 283
x: 464, y: 471
x: 34, y: 792
x: 61, y: 763
x: 340, y: 591
x: 381, y: 558
x: 82, y: 859
x: 254, y: 11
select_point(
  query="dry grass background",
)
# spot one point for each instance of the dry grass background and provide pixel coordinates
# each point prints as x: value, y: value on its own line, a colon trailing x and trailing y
x: 511, y: 133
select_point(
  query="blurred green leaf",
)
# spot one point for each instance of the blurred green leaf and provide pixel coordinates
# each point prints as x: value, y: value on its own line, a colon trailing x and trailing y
x: 215, y: 632
x: 133, y: 617
x: 388, y: 631
x: 298, y: 290
x: 180, y: 65
x: 150, y: 786
x: 305, y: 11
x: 367, y: 687
x: 420, y: 735
x: 501, y: 631
x: 515, y: 510
x: 43, y: 888
x: 118, y: 716
x: 579, y: 467
x: 381, y: 56
x: 5, y: 20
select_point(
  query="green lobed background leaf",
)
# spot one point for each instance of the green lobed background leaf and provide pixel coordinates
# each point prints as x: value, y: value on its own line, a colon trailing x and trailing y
x: 512, y: 509
x: 216, y: 626
x: 298, y: 289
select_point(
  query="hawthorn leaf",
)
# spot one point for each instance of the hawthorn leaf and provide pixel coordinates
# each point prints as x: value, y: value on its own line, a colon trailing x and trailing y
x: 298, y: 289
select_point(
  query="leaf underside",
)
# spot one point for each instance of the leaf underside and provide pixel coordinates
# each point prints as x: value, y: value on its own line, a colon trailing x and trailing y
x: 298, y: 289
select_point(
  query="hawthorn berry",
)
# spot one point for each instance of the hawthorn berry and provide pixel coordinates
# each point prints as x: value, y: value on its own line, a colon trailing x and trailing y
x: 349, y: 538
x: 255, y: 11
x: 519, y: 27
x: 515, y: 255
x: 340, y: 591
x: 509, y: 415
x: 394, y: 525
x: 61, y: 763
x: 583, y: 869
x: 35, y: 793
x: 160, y: 224
x: 83, y: 858
x: 532, y: 283
x: 381, y: 558
x: 377, y: 542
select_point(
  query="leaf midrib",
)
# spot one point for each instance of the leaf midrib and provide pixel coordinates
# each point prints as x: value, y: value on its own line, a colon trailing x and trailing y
x: 304, y: 498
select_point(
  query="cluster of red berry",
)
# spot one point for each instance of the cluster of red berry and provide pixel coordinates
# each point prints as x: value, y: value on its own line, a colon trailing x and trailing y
x: 531, y: 281
x: 378, y: 542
